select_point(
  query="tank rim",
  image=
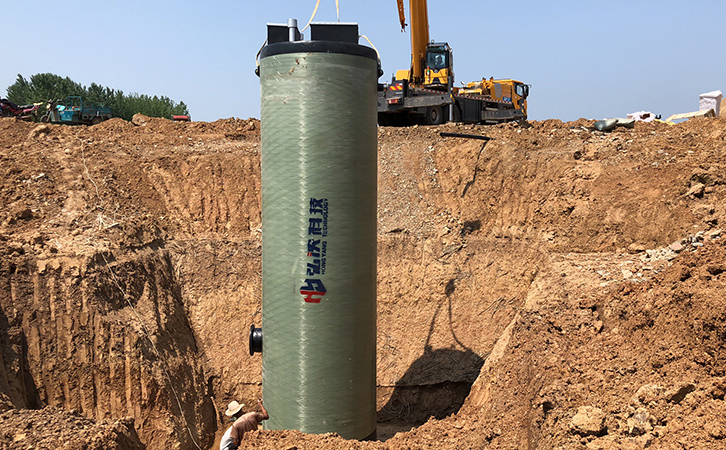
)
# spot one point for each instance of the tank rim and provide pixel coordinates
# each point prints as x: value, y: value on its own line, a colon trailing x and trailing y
x: 345, y: 48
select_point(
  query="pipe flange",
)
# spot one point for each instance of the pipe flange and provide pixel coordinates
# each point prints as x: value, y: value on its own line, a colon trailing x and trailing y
x: 255, y: 340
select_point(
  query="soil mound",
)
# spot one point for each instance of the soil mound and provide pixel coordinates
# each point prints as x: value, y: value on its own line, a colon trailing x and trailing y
x: 55, y: 428
x: 553, y: 287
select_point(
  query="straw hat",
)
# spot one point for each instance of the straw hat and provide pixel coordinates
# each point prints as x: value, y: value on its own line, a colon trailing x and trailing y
x: 233, y: 408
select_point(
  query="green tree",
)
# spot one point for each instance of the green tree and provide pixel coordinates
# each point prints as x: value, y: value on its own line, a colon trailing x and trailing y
x: 47, y: 86
x: 41, y: 88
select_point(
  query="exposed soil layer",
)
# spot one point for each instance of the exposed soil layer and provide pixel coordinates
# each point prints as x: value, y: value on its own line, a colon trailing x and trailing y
x: 53, y: 428
x: 555, y: 287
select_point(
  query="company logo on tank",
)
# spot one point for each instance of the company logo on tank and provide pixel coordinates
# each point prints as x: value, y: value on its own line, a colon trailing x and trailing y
x: 317, y: 248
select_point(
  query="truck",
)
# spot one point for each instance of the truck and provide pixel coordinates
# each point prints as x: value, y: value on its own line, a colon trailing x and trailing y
x: 425, y: 94
x: 74, y: 112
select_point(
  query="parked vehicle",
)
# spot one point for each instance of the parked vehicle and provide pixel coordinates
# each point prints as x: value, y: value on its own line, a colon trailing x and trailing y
x: 74, y: 112
x: 23, y: 112
x: 426, y: 94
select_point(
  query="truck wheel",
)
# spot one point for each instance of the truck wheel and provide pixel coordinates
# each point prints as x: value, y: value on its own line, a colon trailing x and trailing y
x: 457, y: 113
x: 96, y: 121
x: 434, y: 115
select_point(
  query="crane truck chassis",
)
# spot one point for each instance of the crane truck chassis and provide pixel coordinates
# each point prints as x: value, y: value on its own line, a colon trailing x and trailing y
x: 400, y: 104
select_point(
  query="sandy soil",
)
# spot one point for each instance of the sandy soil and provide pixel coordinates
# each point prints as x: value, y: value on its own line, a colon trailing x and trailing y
x: 556, y: 287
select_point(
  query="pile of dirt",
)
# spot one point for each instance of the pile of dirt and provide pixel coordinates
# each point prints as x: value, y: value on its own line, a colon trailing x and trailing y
x: 555, y: 286
x: 51, y: 428
x: 637, y: 364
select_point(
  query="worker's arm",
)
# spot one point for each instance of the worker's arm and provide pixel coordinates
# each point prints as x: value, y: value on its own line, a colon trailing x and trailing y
x: 263, y: 415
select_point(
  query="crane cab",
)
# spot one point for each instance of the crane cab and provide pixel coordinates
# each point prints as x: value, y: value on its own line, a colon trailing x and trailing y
x: 438, y: 66
x: 438, y: 69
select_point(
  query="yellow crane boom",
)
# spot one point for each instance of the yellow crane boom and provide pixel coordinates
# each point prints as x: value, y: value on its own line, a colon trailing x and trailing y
x: 419, y: 36
x: 401, y: 15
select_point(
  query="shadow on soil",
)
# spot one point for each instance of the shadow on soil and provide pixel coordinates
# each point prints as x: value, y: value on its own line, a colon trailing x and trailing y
x: 435, y: 385
x: 16, y: 382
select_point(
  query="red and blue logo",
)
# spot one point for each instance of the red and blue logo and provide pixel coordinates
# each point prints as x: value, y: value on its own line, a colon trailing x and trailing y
x: 316, y: 252
x: 313, y: 290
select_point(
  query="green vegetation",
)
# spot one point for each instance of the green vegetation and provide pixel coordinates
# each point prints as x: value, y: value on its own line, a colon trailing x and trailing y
x: 46, y: 86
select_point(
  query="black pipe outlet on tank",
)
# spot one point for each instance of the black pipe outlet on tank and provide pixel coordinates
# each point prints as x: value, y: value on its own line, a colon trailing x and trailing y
x: 255, y: 340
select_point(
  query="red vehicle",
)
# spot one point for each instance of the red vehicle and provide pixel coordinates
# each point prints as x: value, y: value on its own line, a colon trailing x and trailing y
x: 24, y: 112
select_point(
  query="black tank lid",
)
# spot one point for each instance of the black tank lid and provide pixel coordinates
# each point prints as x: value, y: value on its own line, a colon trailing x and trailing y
x: 324, y: 38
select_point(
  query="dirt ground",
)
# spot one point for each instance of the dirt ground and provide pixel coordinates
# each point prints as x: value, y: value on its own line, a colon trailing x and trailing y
x: 555, y: 287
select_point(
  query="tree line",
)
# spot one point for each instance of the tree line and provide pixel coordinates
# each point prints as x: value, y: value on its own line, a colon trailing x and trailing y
x: 43, y: 87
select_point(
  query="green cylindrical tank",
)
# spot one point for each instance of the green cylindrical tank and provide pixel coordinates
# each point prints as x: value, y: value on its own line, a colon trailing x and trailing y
x: 319, y: 169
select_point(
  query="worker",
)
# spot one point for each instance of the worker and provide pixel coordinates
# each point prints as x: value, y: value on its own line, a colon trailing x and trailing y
x: 242, y: 423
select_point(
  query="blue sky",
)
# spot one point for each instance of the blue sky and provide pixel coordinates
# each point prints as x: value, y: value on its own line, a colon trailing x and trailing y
x: 583, y: 59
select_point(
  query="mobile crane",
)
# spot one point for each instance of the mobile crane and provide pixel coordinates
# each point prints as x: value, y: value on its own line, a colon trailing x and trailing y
x: 426, y: 94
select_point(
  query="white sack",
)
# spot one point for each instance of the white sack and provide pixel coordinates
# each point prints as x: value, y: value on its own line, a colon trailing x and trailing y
x: 710, y: 100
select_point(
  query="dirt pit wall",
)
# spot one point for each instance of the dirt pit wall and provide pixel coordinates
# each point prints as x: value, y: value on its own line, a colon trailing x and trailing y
x: 106, y: 336
x: 477, y: 245
x: 94, y: 315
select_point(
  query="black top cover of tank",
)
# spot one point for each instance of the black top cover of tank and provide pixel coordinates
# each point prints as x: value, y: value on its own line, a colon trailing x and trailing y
x: 325, y: 38
x: 341, y: 32
x: 279, y: 32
